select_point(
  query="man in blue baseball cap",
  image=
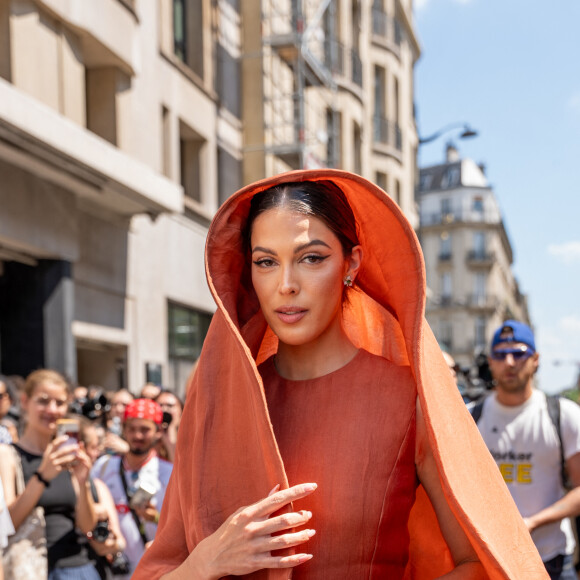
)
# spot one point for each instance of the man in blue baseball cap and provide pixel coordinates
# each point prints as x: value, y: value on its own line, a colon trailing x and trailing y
x: 535, y: 441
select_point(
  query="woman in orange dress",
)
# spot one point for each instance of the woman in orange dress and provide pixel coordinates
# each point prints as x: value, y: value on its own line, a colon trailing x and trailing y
x: 322, y: 435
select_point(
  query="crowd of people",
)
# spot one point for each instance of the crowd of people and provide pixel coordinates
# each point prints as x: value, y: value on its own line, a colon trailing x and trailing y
x: 83, y: 476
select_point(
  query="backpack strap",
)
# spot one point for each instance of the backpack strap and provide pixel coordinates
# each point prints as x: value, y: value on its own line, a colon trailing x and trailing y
x: 553, y: 402
x: 477, y: 409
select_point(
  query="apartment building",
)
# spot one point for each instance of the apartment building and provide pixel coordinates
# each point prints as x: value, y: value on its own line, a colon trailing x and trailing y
x: 329, y: 83
x: 124, y: 124
x: 468, y: 257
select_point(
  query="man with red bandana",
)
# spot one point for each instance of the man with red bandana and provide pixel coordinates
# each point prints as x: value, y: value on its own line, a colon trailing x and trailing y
x: 138, y: 479
x: 516, y: 426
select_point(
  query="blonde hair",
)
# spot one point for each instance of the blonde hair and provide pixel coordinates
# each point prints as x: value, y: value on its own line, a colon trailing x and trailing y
x: 45, y: 375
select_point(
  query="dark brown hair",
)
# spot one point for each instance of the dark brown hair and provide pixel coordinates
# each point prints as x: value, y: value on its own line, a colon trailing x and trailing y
x: 321, y: 199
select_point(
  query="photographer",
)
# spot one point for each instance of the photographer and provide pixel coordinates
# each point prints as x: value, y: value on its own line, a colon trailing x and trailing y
x: 55, y: 471
x: 172, y: 408
x: 106, y: 542
x: 114, y: 442
x: 137, y: 480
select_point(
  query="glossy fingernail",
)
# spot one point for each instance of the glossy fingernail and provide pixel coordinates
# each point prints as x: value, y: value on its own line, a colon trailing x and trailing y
x: 306, y: 514
x: 304, y: 558
x: 310, y: 533
x: 310, y: 487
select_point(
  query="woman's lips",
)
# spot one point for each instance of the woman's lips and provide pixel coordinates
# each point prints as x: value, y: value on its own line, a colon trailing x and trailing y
x: 290, y: 315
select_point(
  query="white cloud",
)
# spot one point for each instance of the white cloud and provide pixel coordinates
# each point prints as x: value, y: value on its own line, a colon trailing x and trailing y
x: 568, y: 252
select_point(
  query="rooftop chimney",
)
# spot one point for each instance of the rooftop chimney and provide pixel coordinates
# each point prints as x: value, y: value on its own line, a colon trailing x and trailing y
x: 451, y: 152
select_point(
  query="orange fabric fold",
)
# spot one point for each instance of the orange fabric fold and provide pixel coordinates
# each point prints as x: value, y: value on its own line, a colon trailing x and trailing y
x: 227, y: 454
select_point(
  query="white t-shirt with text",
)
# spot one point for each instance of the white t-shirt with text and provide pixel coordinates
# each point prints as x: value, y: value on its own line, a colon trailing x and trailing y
x: 524, y: 443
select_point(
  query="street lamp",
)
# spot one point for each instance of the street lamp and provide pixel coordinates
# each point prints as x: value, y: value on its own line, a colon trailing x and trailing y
x: 466, y: 134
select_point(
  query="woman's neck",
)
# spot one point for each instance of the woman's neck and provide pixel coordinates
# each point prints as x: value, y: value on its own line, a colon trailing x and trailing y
x: 34, y: 441
x: 309, y: 361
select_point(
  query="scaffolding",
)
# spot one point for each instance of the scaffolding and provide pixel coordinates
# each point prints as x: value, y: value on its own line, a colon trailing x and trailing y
x: 300, y: 54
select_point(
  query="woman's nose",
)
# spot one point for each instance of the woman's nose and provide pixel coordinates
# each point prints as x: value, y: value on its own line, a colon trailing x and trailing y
x: 288, y: 283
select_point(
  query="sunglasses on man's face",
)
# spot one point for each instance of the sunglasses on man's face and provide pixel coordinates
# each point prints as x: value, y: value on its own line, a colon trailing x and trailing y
x: 521, y: 353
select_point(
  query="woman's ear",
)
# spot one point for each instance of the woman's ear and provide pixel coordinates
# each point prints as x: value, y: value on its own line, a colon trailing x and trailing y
x: 354, y: 262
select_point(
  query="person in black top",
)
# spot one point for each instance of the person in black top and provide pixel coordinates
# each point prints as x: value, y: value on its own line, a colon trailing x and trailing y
x: 56, y: 475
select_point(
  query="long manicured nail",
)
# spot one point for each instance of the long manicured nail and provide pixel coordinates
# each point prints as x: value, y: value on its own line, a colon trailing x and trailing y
x: 304, y: 558
x: 310, y: 487
x: 310, y: 533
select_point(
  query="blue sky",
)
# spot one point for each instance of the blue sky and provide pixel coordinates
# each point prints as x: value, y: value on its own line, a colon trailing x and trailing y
x: 511, y: 69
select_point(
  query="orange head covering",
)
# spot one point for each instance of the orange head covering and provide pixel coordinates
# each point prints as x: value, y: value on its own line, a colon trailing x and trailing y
x: 227, y: 455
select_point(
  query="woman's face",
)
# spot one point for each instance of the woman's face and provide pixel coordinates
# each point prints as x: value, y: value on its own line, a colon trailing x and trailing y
x: 5, y: 401
x: 48, y: 402
x: 119, y: 403
x: 298, y: 268
x: 92, y: 439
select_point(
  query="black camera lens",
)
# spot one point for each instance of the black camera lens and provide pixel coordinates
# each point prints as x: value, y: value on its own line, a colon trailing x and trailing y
x: 167, y: 418
x: 101, y: 531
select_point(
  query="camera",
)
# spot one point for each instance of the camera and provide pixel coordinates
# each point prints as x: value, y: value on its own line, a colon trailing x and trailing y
x: 101, y: 531
x: 120, y: 564
x: 166, y: 421
x: 142, y: 495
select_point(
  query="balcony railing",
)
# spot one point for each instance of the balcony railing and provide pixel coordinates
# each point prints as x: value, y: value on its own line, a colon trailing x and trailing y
x: 481, y: 258
x: 445, y: 256
x: 484, y: 301
x: 461, y: 216
x: 387, y: 132
x: 477, y: 301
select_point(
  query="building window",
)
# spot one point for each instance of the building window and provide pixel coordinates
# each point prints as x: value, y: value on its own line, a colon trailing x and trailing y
x: 479, y: 244
x: 186, y: 331
x: 445, y: 246
x: 479, y: 282
x: 357, y: 148
x: 188, y: 33
x: 425, y: 181
x: 381, y: 125
x: 446, y: 287
x: 192, y: 149
x: 446, y: 335
x: 480, y: 324
x: 381, y: 180
x: 446, y: 207
x: 179, y: 30
x: 478, y: 204
x: 397, y: 196
x: 450, y: 177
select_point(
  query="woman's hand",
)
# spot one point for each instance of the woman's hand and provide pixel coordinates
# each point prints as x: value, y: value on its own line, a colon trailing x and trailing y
x: 109, y: 547
x: 244, y: 542
x: 147, y: 512
x: 56, y: 459
x: 81, y: 468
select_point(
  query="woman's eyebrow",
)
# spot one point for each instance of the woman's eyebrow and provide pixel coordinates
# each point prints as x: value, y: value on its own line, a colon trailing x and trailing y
x: 296, y: 250
x: 262, y: 249
x: 312, y: 243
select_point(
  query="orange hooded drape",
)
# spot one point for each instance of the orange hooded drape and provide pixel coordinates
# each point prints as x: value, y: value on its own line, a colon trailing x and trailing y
x: 227, y: 455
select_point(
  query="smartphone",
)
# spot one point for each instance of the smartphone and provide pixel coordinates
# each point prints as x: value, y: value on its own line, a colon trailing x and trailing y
x: 142, y: 495
x: 70, y: 428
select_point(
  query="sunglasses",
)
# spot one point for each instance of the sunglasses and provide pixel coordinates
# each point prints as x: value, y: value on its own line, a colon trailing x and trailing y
x: 518, y: 354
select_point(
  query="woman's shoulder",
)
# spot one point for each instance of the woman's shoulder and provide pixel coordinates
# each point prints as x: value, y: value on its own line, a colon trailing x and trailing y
x: 7, y: 452
x: 376, y: 363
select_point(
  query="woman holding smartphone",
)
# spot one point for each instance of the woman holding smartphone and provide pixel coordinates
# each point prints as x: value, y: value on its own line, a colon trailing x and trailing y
x: 56, y: 474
